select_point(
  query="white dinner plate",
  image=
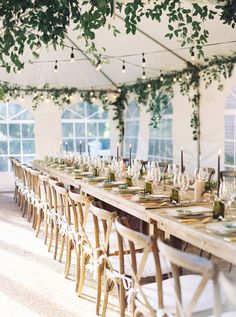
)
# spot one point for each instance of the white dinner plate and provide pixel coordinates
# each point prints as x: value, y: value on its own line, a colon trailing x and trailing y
x: 111, y: 184
x: 222, y: 228
x: 188, y: 212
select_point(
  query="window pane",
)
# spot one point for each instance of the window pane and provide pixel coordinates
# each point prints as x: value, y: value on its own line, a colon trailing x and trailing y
x: 70, y: 145
x: 14, y: 131
x: 77, y: 144
x: 105, y: 144
x: 162, y: 148
x: 15, y: 147
x: 3, y: 164
x: 151, y: 147
x: 92, y: 129
x: 28, y: 147
x: 3, y: 147
x: 28, y: 131
x: 67, y: 130
x: 80, y: 130
x: 28, y: 159
x: 168, y: 128
x: 103, y: 129
x: 229, y: 127
x: 169, y: 149
x: 91, y: 110
x: 3, y: 111
x: 229, y: 153
x: 3, y: 131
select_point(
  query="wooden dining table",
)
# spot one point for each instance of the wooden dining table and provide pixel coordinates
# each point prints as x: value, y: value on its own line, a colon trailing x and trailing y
x: 193, y: 232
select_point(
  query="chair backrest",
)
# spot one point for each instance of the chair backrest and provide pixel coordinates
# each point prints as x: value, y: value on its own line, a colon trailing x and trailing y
x: 208, y: 270
x: 44, y: 187
x: 228, y: 289
x: 131, y: 240
x: 51, y: 193
x: 80, y: 207
x: 226, y: 174
x: 62, y: 202
x: 103, y: 224
x: 35, y: 181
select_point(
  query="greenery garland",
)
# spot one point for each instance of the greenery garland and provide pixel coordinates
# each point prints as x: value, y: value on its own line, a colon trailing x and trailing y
x: 155, y: 94
x: 35, y: 23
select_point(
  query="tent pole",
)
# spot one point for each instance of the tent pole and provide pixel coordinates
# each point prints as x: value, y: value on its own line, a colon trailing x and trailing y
x: 199, y: 129
x: 158, y: 43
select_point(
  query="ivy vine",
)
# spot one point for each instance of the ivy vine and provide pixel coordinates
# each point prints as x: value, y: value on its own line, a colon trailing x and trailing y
x: 155, y: 94
x: 31, y: 24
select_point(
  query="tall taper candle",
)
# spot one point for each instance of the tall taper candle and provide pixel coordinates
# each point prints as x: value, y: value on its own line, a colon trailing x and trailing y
x: 117, y: 152
x: 218, y: 174
x: 130, y: 149
x: 88, y: 150
x: 80, y: 147
x: 182, y: 160
x: 66, y: 147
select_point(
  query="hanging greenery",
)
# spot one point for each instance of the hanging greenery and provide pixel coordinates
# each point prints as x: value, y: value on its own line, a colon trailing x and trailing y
x: 31, y: 24
x: 155, y: 94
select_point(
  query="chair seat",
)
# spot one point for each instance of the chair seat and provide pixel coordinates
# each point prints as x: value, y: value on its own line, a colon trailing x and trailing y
x: 189, y: 284
x: 149, y: 269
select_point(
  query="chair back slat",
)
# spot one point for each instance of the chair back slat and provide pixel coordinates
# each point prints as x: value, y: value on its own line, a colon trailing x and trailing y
x: 193, y: 263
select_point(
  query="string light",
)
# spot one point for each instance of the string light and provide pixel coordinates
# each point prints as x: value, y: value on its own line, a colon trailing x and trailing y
x: 15, y: 91
x: 91, y: 93
x: 55, y: 67
x: 187, y: 77
x: 35, y: 93
x: 161, y: 77
x: 38, y: 45
x: 180, y: 79
x: 119, y: 90
x: 42, y: 97
x: 99, y: 66
x: 106, y: 98
x: 19, y: 71
x: 47, y: 98
x: 192, y: 56
x: 143, y: 60
x: 149, y: 85
x: 22, y: 97
x: 123, y: 67
x: 72, y: 55
x: 94, y: 99
x: 174, y: 79
x: 81, y: 98
x: 144, y: 73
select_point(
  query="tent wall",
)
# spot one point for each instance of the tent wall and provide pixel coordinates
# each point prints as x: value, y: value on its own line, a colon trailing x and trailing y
x: 48, y: 126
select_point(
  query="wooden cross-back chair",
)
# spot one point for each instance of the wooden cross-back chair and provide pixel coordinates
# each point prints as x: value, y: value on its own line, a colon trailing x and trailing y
x: 103, y: 226
x: 229, y: 290
x: 43, y: 205
x: 80, y: 235
x: 227, y: 174
x: 139, y: 267
x: 61, y: 217
x: 34, y: 195
x: 51, y: 215
x: 192, y: 293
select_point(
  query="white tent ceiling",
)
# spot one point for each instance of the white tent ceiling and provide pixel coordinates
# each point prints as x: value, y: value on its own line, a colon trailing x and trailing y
x: 83, y: 75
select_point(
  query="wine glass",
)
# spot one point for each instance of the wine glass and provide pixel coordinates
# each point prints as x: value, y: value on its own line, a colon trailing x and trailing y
x: 183, y: 184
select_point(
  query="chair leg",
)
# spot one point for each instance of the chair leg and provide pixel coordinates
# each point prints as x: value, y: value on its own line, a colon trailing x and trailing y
x: 82, y: 274
x: 46, y: 230
x: 68, y: 258
x: 34, y: 214
x: 51, y: 235
x: 99, y: 288
x: 122, y: 294
x: 106, y: 294
x: 38, y: 224
x: 77, y: 250
x: 24, y: 206
x: 62, y: 248
x: 56, y: 241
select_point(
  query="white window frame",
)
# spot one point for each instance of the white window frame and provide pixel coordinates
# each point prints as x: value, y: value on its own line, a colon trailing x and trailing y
x: 230, y: 112
x: 85, y: 120
x: 133, y: 137
x: 9, y: 120
x: 158, y: 157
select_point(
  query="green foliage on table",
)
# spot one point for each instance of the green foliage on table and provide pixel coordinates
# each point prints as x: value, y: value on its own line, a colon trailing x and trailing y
x: 209, y: 186
x: 34, y: 23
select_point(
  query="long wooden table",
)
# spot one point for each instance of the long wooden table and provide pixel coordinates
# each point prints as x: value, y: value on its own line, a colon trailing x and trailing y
x: 193, y: 233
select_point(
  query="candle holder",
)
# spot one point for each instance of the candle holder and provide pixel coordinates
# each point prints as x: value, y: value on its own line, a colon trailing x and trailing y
x: 218, y: 209
x: 129, y: 181
x: 174, y: 196
x: 148, y: 188
x: 111, y: 177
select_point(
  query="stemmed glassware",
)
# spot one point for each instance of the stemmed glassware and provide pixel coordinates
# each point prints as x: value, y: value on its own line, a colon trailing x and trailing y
x: 183, y: 184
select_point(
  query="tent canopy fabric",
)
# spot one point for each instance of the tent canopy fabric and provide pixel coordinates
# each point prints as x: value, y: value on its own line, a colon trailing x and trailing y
x: 149, y: 39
